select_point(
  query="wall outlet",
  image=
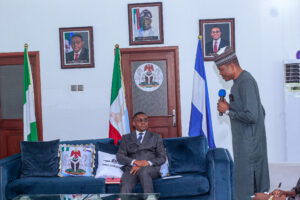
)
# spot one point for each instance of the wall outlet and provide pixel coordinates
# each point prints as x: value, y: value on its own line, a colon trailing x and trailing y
x: 74, y: 88
x: 80, y: 87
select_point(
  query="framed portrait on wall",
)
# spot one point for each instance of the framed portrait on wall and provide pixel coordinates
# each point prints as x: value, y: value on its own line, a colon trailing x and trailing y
x: 76, y: 47
x: 145, y: 23
x: 216, y: 34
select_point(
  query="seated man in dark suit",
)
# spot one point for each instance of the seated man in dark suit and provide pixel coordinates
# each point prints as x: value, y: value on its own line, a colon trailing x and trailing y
x: 216, y: 43
x: 142, y: 153
x: 79, y: 54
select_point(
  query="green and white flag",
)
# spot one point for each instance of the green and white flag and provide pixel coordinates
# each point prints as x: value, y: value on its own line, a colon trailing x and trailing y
x: 29, y: 122
x: 118, y: 118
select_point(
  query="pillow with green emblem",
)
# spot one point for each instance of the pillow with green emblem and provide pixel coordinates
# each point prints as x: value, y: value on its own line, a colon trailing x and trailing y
x: 76, y: 160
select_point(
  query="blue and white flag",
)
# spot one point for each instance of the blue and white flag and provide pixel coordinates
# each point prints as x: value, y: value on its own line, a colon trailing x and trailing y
x: 200, y: 122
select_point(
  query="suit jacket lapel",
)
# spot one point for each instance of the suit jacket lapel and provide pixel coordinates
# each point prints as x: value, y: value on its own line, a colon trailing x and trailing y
x: 134, y: 137
x: 146, y: 137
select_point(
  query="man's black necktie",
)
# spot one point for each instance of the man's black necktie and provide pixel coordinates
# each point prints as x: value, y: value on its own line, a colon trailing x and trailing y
x: 140, y: 137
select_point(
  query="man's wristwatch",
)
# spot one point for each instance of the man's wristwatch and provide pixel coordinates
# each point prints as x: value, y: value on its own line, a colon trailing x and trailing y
x: 227, y: 112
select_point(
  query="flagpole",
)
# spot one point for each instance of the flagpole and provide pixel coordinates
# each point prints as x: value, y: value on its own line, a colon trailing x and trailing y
x: 118, y: 106
x: 200, y: 120
x: 29, y: 118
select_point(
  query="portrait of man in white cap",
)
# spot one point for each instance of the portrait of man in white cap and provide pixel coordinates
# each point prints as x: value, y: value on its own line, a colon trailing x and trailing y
x: 147, y: 28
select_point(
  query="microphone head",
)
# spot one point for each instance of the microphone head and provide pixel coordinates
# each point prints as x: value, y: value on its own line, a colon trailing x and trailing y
x: 222, y: 93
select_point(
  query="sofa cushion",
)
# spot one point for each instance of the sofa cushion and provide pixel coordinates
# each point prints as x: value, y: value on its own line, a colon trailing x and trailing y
x: 186, y: 154
x: 76, y: 160
x: 96, y: 142
x: 108, y: 166
x: 39, y: 158
x: 55, y: 185
x: 188, y: 185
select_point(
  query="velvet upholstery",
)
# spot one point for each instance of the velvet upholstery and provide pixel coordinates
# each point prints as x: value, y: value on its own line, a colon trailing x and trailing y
x: 186, y: 154
x: 188, y: 185
x: 39, y: 158
x: 216, y: 183
x: 94, y: 141
x: 58, y: 185
x: 107, y: 147
x: 220, y: 163
x: 10, y: 169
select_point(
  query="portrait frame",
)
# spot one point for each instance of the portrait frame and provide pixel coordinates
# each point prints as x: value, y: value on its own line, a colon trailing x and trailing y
x: 69, y: 58
x: 139, y: 32
x: 226, y: 33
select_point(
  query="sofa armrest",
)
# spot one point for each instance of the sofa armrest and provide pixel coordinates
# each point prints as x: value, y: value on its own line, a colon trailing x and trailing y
x: 220, y: 174
x: 9, y: 170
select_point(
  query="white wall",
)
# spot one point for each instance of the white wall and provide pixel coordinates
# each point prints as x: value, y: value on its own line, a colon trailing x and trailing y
x: 267, y: 32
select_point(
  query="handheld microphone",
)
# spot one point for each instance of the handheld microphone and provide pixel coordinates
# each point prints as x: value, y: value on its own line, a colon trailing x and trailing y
x: 222, y: 94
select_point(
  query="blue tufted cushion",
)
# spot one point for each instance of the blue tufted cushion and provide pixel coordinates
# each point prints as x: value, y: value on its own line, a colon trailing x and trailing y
x: 186, y: 154
x: 39, y: 158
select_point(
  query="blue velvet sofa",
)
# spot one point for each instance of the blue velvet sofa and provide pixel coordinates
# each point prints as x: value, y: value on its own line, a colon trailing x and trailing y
x: 209, y: 176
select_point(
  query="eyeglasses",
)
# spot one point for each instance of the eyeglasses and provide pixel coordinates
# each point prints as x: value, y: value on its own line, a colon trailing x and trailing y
x: 215, y: 32
x: 76, y: 42
x: 141, y: 120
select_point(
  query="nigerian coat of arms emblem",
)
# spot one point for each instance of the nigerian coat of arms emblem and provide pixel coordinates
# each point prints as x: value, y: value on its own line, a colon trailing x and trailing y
x: 148, y: 77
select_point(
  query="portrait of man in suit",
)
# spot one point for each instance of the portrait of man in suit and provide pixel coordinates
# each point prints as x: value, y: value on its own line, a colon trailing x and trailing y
x: 80, y: 54
x: 216, y: 42
x: 76, y: 47
x: 142, y: 153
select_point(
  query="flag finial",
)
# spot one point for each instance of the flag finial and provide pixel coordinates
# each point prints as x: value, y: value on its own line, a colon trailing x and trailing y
x: 200, y: 37
x: 117, y: 46
x: 26, y: 45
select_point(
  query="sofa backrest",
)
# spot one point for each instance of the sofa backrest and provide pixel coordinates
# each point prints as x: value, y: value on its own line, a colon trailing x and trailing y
x: 186, y: 154
x: 90, y: 141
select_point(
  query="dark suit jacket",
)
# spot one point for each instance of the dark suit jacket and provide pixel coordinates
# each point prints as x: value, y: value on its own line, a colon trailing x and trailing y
x: 209, y: 46
x: 83, y: 56
x: 151, y: 149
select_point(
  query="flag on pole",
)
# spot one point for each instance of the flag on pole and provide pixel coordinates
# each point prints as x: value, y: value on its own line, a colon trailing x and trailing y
x: 136, y: 18
x: 68, y: 38
x: 118, y: 118
x: 29, y: 122
x: 200, y: 121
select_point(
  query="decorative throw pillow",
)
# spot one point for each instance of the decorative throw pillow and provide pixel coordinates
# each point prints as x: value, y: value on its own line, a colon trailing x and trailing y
x: 76, y: 160
x: 107, y: 147
x: 108, y: 166
x: 186, y: 154
x: 39, y: 158
x: 164, y: 169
